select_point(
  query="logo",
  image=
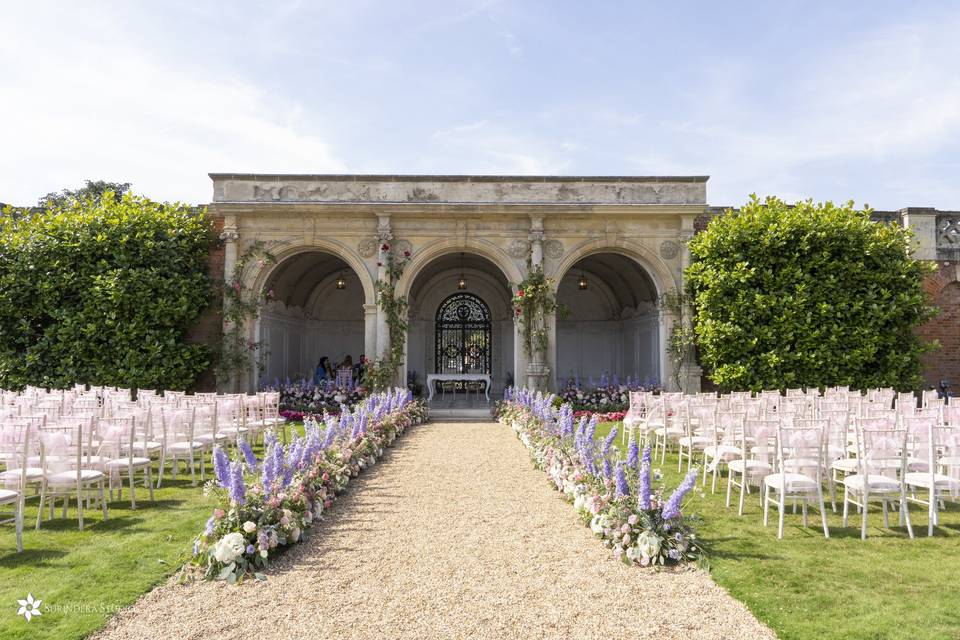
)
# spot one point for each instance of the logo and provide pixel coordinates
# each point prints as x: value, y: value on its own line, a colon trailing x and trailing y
x: 29, y: 607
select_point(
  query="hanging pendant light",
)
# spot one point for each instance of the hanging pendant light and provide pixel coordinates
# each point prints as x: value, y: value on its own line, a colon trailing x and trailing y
x: 582, y: 283
x: 461, y: 282
x: 341, y: 282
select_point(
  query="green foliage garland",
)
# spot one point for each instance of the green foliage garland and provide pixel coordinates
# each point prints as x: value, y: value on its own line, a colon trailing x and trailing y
x: 102, y: 291
x: 813, y: 295
x: 382, y: 373
x: 238, y: 354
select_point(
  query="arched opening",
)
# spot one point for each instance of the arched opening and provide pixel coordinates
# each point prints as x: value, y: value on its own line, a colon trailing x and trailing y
x: 460, y: 320
x: 315, y: 310
x: 611, y: 325
x: 462, y: 335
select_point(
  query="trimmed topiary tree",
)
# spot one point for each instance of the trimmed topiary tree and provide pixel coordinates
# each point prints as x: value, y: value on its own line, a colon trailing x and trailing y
x: 102, y: 291
x: 813, y: 295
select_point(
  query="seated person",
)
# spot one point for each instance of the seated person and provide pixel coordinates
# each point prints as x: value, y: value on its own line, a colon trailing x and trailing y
x: 324, y: 371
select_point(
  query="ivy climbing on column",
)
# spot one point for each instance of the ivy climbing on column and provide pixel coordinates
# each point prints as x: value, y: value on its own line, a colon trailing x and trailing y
x: 383, y: 372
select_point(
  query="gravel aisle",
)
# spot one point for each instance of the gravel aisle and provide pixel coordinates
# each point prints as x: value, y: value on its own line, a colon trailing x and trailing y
x: 452, y: 535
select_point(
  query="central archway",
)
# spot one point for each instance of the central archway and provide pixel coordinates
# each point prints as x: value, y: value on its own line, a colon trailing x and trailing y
x: 460, y: 320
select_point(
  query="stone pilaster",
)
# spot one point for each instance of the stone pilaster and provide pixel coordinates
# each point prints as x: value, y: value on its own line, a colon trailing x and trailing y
x: 384, y: 237
x: 230, y: 237
x: 536, y: 238
x: 923, y: 222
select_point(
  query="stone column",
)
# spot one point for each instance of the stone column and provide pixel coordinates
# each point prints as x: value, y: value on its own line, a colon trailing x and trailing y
x: 923, y: 222
x: 538, y: 369
x: 691, y: 372
x: 384, y: 236
x: 230, y: 237
x: 370, y: 330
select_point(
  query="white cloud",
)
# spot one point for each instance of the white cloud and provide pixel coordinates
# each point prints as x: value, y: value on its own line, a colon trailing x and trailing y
x: 873, y: 109
x: 489, y: 148
x: 81, y: 101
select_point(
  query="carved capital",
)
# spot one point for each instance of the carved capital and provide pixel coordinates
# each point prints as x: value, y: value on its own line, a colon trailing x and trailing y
x: 230, y: 235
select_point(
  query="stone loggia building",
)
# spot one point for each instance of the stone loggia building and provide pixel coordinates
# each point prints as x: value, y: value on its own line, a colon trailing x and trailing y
x: 613, y: 246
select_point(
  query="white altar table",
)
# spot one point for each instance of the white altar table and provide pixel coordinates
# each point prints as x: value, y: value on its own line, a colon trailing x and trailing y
x: 459, y: 377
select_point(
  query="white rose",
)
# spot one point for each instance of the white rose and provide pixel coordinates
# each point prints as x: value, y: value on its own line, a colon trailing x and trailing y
x: 229, y: 548
x: 648, y: 543
x: 249, y: 526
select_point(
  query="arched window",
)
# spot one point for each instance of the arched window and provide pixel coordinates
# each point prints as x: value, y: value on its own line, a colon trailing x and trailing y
x: 463, y: 335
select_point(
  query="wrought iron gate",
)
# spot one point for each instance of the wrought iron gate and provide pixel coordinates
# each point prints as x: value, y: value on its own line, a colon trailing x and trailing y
x: 463, y: 335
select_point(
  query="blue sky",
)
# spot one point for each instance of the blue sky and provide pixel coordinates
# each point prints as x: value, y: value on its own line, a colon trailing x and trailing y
x: 827, y: 100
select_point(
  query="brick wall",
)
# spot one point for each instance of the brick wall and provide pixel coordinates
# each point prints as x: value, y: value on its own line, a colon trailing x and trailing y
x: 944, y: 363
x: 208, y: 327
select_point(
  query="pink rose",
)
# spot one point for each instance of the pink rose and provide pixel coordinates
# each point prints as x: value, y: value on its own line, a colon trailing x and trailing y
x: 219, y: 513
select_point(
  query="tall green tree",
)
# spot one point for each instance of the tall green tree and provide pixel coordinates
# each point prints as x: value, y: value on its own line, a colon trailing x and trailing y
x: 102, y: 290
x: 811, y: 295
x: 92, y: 189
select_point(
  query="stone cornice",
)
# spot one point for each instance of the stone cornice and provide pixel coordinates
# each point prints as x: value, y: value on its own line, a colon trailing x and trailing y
x: 459, y: 190
x: 437, y: 209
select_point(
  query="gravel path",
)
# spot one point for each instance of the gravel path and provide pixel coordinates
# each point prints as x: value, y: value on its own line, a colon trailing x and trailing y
x: 452, y: 535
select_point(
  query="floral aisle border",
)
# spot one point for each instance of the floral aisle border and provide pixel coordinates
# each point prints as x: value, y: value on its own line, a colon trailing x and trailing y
x: 614, y: 496
x: 263, y: 505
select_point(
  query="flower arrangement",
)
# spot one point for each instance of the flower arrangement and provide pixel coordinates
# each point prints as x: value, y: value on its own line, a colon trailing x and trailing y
x: 263, y: 505
x: 533, y: 299
x: 617, y: 498
x: 609, y: 395
x: 306, y: 398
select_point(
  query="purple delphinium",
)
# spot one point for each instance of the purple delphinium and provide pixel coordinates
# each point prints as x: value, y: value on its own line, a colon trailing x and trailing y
x: 208, y: 529
x: 671, y: 508
x: 623, y: 488
x: 238, y: 490
x: 248, y: 455
x: 269, y: 476
x: 633, y: 452
x: 608, y: 441
x: 221, y: 467
x: 644, y: 498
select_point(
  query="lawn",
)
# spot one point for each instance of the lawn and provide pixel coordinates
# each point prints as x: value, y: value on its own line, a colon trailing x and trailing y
x: 804, y: 586
x: 84, y: 577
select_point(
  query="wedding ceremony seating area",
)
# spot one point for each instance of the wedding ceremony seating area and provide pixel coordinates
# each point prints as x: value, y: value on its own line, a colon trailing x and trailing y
x: 804, y: 448
x: 76, y: 446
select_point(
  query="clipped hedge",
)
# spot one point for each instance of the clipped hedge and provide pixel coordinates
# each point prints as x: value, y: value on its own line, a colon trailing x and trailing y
x: 103, y: 291
x: 812, y: 295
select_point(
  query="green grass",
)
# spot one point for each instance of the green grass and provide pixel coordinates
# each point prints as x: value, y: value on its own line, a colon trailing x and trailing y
x: 805, y: 586
x: 83, y: 577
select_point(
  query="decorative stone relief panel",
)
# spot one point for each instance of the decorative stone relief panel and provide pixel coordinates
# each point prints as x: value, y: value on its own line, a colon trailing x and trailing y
x: 553, y: 249
x: 367, y: 247
x: 518, y: 249
x: 669, y: 249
